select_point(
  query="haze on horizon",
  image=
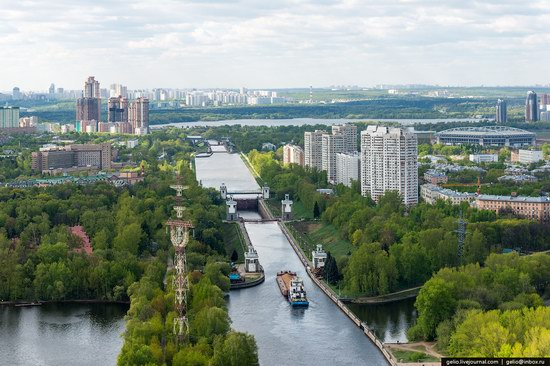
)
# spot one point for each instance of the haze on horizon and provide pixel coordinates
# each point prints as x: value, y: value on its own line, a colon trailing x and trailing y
x: 288, y: 43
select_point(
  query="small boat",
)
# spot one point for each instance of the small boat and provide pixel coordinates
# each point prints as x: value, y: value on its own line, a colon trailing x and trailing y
x: 292, y: 288
x: 235, y: 277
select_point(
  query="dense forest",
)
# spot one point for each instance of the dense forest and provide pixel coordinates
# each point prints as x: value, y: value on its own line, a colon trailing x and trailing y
x: 405, y: 107
x: 490, y: 311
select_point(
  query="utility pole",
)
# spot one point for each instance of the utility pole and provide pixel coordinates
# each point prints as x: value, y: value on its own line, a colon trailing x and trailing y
x: 179, y: 235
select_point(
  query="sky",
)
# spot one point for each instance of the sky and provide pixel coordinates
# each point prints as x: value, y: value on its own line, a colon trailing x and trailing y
x: 273, y: 43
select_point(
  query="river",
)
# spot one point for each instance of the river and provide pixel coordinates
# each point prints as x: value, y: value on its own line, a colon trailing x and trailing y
x: 318, y: 335
x: 61, y: 334
x: 306, y: 121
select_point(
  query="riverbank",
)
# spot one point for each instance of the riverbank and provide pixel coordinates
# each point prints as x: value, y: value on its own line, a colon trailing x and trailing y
x: 79, y: 301
x: 334, y: 297
x: 409, y: 293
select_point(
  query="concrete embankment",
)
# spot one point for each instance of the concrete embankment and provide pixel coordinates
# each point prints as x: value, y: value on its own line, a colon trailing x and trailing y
x: 264, y: 211
x: 328, y: 291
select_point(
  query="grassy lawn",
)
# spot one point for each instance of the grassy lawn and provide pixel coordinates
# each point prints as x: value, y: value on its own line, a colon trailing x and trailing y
x: 411, y: 356
x: 312, y: 233
x: 274, y: 206
x: 298, y: 209
x: 300, y: 212
x: 233, y: 240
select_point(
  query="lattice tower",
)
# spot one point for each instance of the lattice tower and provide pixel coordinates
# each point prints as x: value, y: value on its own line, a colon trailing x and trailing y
x: 179, y: 235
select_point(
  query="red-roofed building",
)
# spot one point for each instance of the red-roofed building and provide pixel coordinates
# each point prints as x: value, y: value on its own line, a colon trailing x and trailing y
x: 80, y: 233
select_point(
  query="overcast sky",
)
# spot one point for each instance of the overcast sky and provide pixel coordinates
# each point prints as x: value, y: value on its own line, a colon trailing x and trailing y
x: 273, y: 43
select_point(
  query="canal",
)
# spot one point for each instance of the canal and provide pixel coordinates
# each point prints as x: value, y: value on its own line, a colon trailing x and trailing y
x: 319, y: 335
x: 61, y: 334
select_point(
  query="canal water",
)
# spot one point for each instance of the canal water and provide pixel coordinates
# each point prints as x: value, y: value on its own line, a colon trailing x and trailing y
x: 61, y: 334
x: 318, y: 335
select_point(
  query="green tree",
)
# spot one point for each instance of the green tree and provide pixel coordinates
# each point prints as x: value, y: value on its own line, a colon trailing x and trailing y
x: 234, y: 256
x: 316, y: 211
x: 237, y: 349
x: 129, y: 239
x: 435, y: 303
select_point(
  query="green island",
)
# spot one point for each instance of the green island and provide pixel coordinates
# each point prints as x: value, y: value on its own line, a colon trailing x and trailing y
x: 42, y: 259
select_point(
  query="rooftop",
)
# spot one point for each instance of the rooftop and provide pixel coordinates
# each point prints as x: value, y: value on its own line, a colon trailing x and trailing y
x: 486, y: 130
x: 488, y: 197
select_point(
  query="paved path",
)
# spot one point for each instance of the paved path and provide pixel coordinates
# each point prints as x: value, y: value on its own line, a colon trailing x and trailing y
x: 426, y: 347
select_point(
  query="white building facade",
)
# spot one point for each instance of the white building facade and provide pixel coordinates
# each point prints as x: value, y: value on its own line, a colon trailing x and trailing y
x: 530, y: 156
x: 484, y: 158
x: 349, y: 132
x: 389, y: 162
x: 331, y: 145
x: 313, y: 149
x: 348, y: 167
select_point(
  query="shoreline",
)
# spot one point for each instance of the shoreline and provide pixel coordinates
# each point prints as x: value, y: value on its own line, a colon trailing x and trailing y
x: 73, y: 301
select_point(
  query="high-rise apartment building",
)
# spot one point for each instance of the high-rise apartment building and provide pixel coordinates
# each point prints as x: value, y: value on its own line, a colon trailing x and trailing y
x: 501, y: 111
x: 531, y: 107
x: 88, y: 108
x: 349, y: 132
x: 118, y: 90
x: 347, y: 168
x: 9, y: 117
x: 138, y: 116
x: 51, y: 90
x: 313, y: 149
x: 117, y: 109
x: 293, y: 154
x: 91, y: 88
x: 16, y: 93
x: 389, y: 163
x: 331, y: 145
x: 544, y: 100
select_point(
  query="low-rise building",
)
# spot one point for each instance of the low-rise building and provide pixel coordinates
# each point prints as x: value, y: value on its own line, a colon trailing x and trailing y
x: 95, y: 156
x: 534, y: 208
x: 435, y: 177
x: 518, y: 178
x: 484, y: 158
x: 430, y: 193
x: 529, y: 156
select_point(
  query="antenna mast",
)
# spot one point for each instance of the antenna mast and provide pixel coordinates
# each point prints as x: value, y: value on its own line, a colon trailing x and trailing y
x: 179, y: 235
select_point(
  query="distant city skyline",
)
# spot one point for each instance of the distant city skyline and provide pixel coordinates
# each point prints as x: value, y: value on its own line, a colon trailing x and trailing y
x: 221, y: 43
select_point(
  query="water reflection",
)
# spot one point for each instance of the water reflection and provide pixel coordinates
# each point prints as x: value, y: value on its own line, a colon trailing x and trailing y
x: 389, y: 321
x: 61, y: 334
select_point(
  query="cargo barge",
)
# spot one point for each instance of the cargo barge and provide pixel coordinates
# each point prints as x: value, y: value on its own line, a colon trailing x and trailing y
x: 292, y: 288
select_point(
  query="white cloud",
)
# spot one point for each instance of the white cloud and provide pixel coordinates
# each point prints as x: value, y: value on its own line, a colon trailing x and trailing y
x: 195, y: 43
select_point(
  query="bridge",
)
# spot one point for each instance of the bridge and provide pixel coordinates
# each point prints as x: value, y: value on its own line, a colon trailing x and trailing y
x: 246, y: 200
